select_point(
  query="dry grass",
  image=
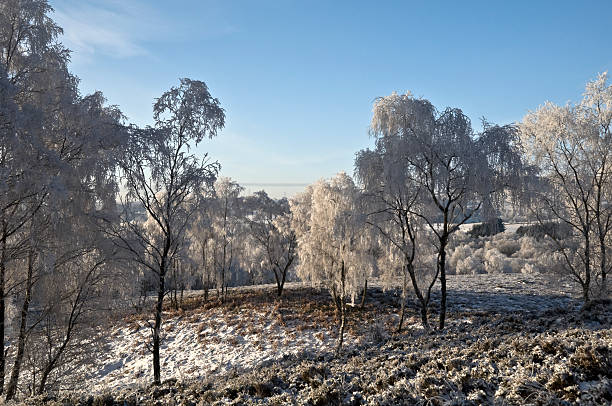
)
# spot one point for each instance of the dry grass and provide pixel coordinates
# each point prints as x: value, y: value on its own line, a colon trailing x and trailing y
x: 553, y: 356
x: 298, y: 310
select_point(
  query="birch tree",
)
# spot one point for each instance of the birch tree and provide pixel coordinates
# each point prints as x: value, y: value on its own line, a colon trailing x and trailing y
x: 274, y: 242
x: 78, y: 189
x: 201, y: 243
x: 572, y: 146
x: 57, y: 155
x: 456, y: 172
x: 32, y: 72
x: 160, y: 173
x: 392, y: 196
x: 76, y: 282
x: 227, y: 232
x: 332, y: 247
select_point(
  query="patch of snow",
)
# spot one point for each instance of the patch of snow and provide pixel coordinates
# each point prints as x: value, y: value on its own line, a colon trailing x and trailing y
x: 195, y: 348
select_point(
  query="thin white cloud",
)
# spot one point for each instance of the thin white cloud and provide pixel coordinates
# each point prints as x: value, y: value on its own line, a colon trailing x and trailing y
x: 125, y: 28
x: 106, y: 28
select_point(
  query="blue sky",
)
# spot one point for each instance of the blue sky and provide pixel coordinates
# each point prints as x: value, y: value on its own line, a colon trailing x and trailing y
x: 297, y: 78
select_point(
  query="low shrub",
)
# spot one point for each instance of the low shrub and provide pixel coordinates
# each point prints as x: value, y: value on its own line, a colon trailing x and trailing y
x: 471, y: 265
x: 508, y: 247
x: 502, y: 253
x: 496, y: 263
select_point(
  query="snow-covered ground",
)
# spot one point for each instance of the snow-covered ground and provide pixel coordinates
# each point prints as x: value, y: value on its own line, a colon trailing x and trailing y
x: 200, y: 345
x: 508, y: 292
x: 233, y: 339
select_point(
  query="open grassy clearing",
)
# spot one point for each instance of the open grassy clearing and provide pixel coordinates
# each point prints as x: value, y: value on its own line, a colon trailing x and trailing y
x: 511, y: 339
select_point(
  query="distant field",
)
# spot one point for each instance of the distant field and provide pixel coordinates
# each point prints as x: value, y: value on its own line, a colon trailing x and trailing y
x: 510, y: 227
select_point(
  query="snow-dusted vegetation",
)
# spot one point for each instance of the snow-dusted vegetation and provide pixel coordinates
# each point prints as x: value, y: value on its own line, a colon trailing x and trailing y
x: 131, y: 272
x: 510, y: 338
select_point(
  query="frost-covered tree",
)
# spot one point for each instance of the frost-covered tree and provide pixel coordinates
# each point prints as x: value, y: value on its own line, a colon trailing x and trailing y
x: 77, y: 279
x: 333, y: 246
x: 160, y: 174
x: 273, y: 240
x: 179, y: 267
x: 51, y: 279
x: 228, y: 231
x: 572, y: 147
x: 201, y: 243
x: 71, y: 205
x: 30, y: 59
x: 57, y: 156
x: 392, y: 196
x: 455, y: 171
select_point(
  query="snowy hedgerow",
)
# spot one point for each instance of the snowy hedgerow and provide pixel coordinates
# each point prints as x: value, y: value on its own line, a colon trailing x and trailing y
x: 488, y: 228
x: 501, y: 253
x: 516, y: 264
x: 549, y: 229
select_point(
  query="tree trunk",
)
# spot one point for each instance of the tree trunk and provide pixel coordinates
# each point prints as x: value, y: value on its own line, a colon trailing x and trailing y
x: 175, y: 272
x: 283, y: 277
x: 223, y: 273
x: 182, y: 292
x: 279, y: 286
x: 157, y: 327
x: 43, y: 378
x: 12, y: 385
x: 604, y: 284
x: 365, y: 291
x: 587, y: 265
x: 279, y: 289
x: 424, y: 320
x: 603, y: 266
x: 206, y: 287
x: 342, y: 312
x: 403, y: 305
x: 53, y: 361
x: 336, y: 300
x: 342, y: 328
x: 422, y: 301
x: 2, y: 306
x: 442, y: 270
x: 207, y: 282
